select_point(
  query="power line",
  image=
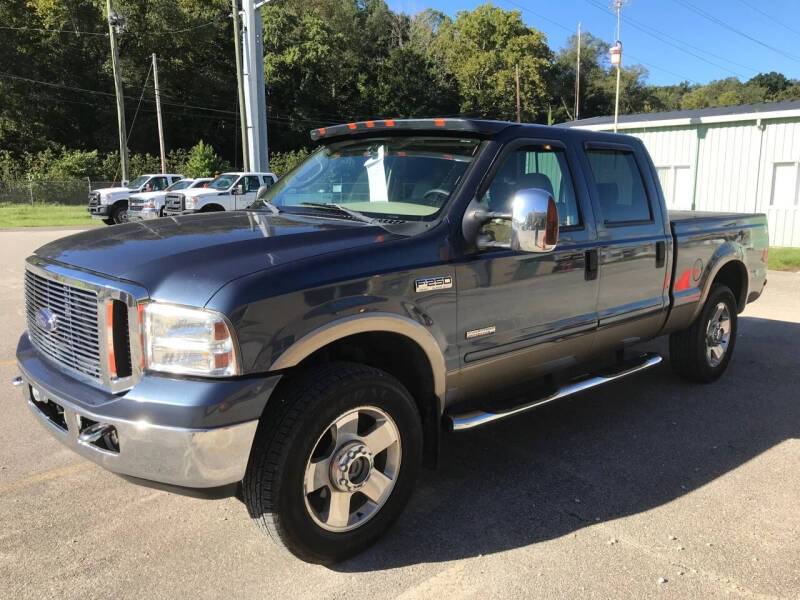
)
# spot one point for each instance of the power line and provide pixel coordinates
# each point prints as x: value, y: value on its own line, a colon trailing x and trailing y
x: 721, y: 23
x: 138, y: 106
x: 569, y: 29
x: 100, y: 93
x: 541, y: 16
x: 39, y: 29
x: 770, y: 17
x: 78, y: 32
x: 678, y: 44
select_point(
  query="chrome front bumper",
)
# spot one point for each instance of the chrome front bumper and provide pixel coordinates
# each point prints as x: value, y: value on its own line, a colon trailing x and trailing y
x: 182, y: 433
x: 193, y: 458
x: 144, y: 214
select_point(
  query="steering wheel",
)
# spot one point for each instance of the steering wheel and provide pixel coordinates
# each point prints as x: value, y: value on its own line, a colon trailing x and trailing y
x: 430, y: 199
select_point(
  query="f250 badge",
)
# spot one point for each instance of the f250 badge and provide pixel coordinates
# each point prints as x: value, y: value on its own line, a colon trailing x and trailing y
x: 441, y: 282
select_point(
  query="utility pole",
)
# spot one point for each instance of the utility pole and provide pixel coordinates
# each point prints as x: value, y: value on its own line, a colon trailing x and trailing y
x: 519, y: 120
x: 116, y: 23
x: 255, y: 101
x: 578, y: 77
x: 158, y: 116
x: 237, y: 44
x: 616, y: 58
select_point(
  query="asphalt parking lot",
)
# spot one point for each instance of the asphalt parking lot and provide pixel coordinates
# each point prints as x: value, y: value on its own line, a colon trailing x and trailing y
x: 598, y: 496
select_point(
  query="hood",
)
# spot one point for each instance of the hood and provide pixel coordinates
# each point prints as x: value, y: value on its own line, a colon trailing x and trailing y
x: 115, y: 190
x: 203, y: 191
x: 186, y: 259
x: 148, y: 195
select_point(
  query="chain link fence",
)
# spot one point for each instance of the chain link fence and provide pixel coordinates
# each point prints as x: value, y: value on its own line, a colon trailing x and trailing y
x: 36, y: 192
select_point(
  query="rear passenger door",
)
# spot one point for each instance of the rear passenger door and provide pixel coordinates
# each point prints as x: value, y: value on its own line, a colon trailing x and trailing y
x: 633, y: 245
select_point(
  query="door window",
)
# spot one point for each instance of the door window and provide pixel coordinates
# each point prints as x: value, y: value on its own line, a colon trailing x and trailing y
x: 543, y: 167
x: 251, y: 183
x: 619, y: 186
x: 157, y: 184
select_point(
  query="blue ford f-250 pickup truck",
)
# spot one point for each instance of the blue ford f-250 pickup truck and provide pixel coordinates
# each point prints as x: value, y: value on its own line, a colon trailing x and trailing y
x: 312, y: 349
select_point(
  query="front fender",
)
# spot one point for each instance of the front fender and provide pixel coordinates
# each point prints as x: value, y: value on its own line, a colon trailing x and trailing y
x: 369, y: 322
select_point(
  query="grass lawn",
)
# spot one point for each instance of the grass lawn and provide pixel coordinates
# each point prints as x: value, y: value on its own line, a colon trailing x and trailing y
x: 784, y: 259
x: 25, y: 215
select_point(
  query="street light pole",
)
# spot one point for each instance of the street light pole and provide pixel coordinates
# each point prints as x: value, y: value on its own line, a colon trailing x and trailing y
x: 255, y: 99
x: 115, y: 25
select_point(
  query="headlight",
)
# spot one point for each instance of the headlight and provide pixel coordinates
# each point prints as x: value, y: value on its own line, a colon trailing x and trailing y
x: 189, y: 341
x: 190, y: 202
x: 104, y: 198
x: 149, y: 204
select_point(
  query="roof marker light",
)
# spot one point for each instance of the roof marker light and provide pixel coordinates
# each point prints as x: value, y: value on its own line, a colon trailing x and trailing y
x: 438, y: 122
x: 351, y: 125
x: 389, y: 123
x: 321, y: 131
x: 370, y: 124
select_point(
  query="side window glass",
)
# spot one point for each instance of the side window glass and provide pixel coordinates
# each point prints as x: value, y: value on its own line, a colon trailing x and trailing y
x: 620, y: 188
x: 157, y: 183
x: 542, y: 167
x: 251, y: 183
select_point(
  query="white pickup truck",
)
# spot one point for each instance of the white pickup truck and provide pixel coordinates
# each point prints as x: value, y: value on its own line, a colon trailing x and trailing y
x: 111, y: 204
x: 229, y: 191
x: 150, y: 205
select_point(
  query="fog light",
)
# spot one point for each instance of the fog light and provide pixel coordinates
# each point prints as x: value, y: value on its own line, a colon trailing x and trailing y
x: 37, y: 395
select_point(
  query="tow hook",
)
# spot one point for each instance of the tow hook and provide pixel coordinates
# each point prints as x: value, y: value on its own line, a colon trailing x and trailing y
x: 17, y: 381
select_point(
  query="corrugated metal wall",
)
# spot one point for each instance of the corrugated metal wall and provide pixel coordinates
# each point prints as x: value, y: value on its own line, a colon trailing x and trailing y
x: 740, y: 166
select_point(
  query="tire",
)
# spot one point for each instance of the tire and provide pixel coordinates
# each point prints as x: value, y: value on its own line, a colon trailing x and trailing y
x: 108, y: 221
x: 298, y: 432
x: 119, y: 214
x: 690, y: 350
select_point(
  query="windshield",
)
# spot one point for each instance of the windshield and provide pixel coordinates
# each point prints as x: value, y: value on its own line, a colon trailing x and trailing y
x: 223, y: 182
x: 138, y: 182
x: 180, y: 185
x: 407, y: 178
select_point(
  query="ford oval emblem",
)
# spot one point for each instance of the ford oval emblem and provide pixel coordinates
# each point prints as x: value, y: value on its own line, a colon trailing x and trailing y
x: 46, y: 320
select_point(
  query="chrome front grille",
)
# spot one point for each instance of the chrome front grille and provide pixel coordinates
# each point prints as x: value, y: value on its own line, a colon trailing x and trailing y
x: 94, y: 198
x: 135, y: 203
x: 83, y: 323
x: 174, y: 202
x: 63, y: 324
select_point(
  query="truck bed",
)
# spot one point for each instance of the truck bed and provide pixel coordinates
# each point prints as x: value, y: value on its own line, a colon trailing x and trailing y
x: 705, y: 240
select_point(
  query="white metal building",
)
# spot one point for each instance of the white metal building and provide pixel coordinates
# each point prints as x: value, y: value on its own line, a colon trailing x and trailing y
x: 735, y: 158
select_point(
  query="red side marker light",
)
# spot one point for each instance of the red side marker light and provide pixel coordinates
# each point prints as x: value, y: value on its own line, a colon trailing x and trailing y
x: 438, y: 122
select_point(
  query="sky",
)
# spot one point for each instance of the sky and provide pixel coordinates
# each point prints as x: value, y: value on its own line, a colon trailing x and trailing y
x: 734, y: 38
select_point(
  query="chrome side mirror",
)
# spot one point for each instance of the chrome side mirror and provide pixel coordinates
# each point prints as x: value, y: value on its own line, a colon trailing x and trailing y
x: 534, y: 221
x: 262, y: 192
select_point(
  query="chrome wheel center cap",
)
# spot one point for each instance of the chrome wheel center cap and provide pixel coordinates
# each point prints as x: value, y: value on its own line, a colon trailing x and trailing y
x: 351, y: 466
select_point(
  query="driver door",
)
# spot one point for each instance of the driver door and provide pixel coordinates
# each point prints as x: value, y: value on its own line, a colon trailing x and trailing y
x: 525, y: 314
x: 250, y: 185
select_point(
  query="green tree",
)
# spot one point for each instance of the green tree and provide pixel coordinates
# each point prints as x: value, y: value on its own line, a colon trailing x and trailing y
x: 202, y: 161
x: 482, y: 49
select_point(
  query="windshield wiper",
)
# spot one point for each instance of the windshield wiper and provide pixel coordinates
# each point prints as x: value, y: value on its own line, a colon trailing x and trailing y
x: 341, y: 210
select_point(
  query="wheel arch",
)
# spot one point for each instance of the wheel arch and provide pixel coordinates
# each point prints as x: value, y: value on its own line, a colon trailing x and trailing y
x: 393, y: 343
x: 212, y: 207
x: 356, y: 325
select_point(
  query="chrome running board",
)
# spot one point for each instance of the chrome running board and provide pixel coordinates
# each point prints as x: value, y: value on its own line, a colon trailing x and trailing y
x: 476, y: 418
